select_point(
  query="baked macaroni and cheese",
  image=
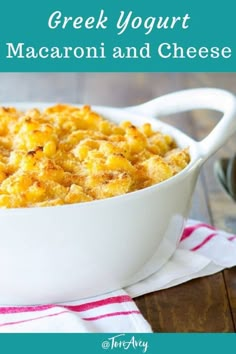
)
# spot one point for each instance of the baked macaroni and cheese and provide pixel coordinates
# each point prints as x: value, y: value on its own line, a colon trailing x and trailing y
x: 67, y: 155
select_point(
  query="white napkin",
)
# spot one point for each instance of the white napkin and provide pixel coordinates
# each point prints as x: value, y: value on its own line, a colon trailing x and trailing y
x: 202, y: 251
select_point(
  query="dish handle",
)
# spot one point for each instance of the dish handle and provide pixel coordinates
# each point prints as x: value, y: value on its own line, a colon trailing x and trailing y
x: 201, y: 98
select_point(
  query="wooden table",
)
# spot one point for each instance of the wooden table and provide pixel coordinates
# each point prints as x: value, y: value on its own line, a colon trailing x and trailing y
x: 203, y: 305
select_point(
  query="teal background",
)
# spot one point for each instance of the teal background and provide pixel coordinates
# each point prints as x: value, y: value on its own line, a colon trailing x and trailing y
x: 91, y: 343
x: 211, y: 24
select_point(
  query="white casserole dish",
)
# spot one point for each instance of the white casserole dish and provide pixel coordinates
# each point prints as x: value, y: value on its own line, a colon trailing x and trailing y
x: 63, y: 253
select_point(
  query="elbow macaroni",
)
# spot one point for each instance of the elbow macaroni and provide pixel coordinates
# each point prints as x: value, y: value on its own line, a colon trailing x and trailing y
x: 68, y: 155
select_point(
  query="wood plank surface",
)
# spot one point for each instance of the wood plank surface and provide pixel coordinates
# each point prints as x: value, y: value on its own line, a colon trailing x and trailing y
x: 200, y: 305
x: 203, y: 305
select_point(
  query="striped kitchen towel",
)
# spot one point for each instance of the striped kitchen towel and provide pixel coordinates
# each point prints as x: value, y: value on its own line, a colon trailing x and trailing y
x: 114, y: 312
x: 202, y: 251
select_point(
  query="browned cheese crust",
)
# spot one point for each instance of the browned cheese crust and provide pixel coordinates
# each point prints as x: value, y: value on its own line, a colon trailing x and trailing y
x: 67, y: 155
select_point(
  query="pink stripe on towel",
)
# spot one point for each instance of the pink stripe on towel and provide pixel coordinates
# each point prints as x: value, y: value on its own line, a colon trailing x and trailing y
x: 205, y: 241
x: 121, y: 313
x: 190, y: 229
